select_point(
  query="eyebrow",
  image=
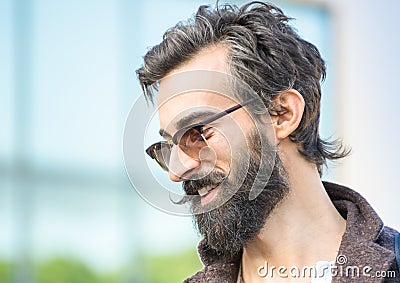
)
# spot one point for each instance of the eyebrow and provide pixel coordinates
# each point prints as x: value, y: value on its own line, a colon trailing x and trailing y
x: 187, y: 120
x: 164, y: 134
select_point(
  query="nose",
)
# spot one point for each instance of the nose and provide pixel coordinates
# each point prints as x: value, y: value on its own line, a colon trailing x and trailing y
x: 181, y: 164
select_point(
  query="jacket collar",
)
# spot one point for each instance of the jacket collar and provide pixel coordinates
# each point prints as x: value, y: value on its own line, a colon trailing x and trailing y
x: 359, y: 245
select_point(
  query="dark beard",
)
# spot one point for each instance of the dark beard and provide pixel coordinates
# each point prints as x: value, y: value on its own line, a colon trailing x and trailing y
x: 228, y: 228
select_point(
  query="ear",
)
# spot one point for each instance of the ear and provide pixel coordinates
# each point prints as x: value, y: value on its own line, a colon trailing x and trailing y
x: 287, y: 113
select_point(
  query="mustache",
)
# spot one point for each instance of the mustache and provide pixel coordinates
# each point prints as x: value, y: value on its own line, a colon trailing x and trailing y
x: 214, y: 178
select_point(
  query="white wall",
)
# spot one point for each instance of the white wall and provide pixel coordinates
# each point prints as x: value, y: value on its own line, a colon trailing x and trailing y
x: 367, y: 41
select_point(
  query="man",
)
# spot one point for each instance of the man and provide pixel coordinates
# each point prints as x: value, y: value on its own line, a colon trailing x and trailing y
x: 295, y: 220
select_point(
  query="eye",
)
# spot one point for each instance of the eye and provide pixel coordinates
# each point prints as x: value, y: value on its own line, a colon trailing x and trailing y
x: 195, y: 136
x: 208, y: 132
x: 190, y: 137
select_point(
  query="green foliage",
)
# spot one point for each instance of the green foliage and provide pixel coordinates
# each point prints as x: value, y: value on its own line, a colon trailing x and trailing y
x: 68, y: 270
x: 65, y: 271
x: 145, y: 269
x: 172, y: 268
x: 6, y: 271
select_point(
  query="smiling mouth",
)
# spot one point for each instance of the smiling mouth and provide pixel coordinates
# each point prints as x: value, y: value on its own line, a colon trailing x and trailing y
x: 206, y: 188
x: 208, y: 193
x: 203, y: 191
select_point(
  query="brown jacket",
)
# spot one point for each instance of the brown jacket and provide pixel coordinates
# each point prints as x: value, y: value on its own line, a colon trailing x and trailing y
x: 365, y: 243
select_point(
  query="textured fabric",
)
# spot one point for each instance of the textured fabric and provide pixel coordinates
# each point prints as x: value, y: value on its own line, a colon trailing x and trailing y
x: 397, y: 249
x: 365, y: 243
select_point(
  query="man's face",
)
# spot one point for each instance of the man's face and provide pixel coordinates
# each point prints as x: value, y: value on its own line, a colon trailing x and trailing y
x: 225, y: 170
x: 224, y: 137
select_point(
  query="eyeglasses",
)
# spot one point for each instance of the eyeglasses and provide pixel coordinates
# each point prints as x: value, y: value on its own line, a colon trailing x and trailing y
x: 190, y: 139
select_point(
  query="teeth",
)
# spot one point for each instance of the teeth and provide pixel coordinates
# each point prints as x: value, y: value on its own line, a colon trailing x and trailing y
x: 203, y: 191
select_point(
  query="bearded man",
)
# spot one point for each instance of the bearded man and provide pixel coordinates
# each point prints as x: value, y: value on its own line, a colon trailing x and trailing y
x: 253, y: 178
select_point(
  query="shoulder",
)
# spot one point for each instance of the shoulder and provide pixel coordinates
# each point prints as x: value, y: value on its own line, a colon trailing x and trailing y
x: 386, y: 238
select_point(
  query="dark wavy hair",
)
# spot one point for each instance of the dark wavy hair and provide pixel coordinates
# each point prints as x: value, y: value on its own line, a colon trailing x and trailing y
x: 264, y: 51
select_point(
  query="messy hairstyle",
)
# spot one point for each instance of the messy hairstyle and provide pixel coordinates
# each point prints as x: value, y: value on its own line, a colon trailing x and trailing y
x: 263, y: 51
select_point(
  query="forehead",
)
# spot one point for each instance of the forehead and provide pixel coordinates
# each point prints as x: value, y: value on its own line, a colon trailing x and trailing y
x: 200, y: 84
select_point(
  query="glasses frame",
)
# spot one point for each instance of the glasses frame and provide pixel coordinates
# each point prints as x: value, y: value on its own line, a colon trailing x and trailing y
x: 152, y: 150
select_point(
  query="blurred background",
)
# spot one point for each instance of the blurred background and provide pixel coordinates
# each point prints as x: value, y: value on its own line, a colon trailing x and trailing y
x: 68, y: 213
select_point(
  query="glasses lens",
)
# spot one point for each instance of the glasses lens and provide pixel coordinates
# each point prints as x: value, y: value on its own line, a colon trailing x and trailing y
x: 161, y: 153
x: 191, y: 142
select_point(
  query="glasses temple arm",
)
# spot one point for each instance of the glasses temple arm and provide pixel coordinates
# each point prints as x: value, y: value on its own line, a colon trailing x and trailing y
x: 226, y: 112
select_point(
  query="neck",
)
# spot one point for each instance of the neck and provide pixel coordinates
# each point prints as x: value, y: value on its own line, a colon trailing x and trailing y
x: 305, y: 227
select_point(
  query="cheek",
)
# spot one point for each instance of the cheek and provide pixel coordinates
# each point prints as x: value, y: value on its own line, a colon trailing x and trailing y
x: 223, y: 150
x: 233, y: 152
